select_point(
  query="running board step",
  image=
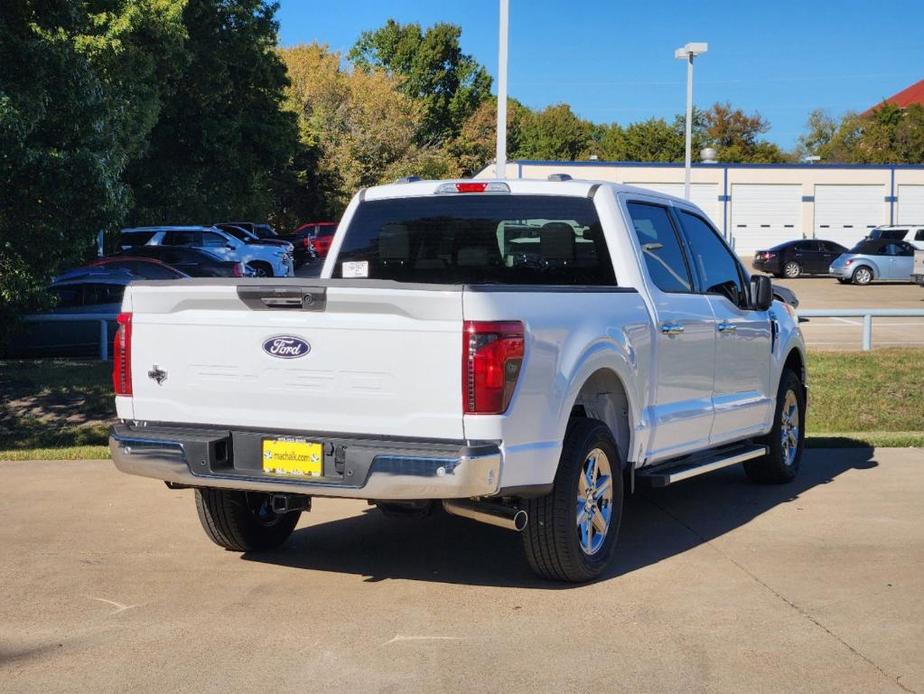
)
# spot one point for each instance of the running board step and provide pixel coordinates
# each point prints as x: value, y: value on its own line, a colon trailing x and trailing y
x: 691, y: 466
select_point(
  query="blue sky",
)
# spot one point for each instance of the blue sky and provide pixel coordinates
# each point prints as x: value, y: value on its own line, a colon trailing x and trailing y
x: 613, y: 61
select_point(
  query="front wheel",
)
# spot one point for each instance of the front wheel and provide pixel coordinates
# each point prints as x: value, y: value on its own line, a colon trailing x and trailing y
x: 572, y: 531
x: 786, y: 439
x: 261, y: 269
x: 243, y: 521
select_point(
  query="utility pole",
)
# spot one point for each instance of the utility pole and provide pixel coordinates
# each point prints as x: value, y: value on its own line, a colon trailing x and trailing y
x: 688, y: 53
x: 500, y: 161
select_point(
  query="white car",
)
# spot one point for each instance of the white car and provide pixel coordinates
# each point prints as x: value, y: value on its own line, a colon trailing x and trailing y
x: 265, y: 260
x: 912, y: 233
x: 522, y: 352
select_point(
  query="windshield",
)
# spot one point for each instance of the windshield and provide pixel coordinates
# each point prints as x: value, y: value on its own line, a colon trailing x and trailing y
x: 237, y: 233
x: 460, y: 239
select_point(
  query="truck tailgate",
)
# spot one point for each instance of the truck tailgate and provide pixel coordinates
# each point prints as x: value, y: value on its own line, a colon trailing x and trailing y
x: 376, y: 360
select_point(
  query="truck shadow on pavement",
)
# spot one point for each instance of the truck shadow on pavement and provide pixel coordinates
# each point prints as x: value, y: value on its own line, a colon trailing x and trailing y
x: 657, y: 524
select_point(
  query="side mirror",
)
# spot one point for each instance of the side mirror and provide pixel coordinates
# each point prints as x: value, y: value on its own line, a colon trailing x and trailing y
x: 761, y: 293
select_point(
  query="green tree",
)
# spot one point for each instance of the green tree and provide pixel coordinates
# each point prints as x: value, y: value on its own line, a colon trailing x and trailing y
x: 77, y: 99
x: 650, y: 140
x: 222, y: 144
x: 886, y: 135
x: 433, y: 70
x: 820, y: 129
x: 554, y: 133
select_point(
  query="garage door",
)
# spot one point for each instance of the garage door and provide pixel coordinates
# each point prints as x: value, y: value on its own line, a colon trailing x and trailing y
x: 703, y: 195
x: 763, y: 215
x: 846, y: 213
x: 910, y: 205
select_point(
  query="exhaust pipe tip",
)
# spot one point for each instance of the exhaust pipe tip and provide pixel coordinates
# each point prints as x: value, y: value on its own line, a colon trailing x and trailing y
x: 491, y: 513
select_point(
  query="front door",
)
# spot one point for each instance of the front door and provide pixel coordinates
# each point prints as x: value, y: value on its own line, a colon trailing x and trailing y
x: 743, y: 396
x: 681, y: 413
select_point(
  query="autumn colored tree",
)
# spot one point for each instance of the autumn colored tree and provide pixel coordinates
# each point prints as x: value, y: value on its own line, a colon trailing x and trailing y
x: 361, y: 124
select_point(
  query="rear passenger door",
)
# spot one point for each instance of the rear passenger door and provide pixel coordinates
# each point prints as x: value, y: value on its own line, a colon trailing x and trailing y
x: 742, y: 395
x: 681, y: 411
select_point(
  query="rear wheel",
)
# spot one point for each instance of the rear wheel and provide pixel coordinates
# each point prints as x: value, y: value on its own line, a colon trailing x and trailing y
x: 786, y: 439
x: 243, y: 521
x: 792, y: 269
x: 571, y: 535
x: 862, y: 275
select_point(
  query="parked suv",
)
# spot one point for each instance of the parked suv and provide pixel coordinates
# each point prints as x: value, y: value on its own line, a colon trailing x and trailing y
x: 912, y: 233
x: 794, y: 258
x: 264, y: 260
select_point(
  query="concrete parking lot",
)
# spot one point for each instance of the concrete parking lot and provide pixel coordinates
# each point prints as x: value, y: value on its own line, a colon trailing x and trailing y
x: 721, y: 585
x: 846, y: 333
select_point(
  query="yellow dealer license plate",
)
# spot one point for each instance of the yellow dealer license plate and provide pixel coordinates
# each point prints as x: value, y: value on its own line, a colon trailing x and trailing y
x: 295, y: 457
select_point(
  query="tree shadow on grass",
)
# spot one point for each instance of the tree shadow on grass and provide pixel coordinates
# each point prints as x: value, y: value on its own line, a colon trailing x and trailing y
x: 54, y: 403
x: 657, y: 524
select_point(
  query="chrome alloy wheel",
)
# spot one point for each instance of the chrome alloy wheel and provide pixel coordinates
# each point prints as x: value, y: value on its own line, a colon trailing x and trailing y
x: 789, y: 428
x: 863, y: 276
x: 594, y: 501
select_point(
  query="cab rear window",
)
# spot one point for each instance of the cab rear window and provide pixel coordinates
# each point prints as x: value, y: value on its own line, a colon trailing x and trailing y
x: 477, y: 239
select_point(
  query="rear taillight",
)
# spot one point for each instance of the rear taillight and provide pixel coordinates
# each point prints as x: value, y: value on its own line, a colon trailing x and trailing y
x: 492, y: 353
x: 122, y: 356
x: 237, y: 270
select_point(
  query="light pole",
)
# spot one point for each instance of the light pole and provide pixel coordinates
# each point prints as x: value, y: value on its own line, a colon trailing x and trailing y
x: 688, y: 53
x: 500, y: 160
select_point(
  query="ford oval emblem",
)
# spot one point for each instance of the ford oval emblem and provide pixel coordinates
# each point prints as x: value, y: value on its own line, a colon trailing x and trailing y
x: 286, y: 347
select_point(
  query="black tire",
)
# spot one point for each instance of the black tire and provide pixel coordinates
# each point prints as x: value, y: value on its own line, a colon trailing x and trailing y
x: 862, y: 275
x: 780, y: 465
x: 551, y: 540
x: 792, y: 269
x: 243, y: 521
x: 261, y: 269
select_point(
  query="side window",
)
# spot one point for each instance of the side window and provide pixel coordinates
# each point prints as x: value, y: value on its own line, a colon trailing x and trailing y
x: 919, y: 235
x: 181, y: 238
x: 716, y: 265
x: 660, y: 247
x: 806, y: 246
x: 212, y: 240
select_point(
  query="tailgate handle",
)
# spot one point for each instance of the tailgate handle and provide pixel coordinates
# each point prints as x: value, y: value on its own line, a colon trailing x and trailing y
x: 283, y: 298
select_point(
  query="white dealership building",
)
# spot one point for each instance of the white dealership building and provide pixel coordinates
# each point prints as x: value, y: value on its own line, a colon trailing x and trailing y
x: 760, y: 205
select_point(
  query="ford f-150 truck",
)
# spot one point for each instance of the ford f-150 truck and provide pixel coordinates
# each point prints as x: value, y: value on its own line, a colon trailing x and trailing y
x: 522, y: 353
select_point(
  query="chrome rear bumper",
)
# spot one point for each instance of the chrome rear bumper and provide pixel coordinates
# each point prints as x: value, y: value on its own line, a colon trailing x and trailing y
x: 393, y: 471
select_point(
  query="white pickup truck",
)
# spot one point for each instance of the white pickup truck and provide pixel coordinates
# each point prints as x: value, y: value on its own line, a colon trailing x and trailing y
x: 523, y: 353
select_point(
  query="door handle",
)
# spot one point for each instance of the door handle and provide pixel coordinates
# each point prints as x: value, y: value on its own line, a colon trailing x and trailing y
x: 726, y: 327
x: 671, y: 329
